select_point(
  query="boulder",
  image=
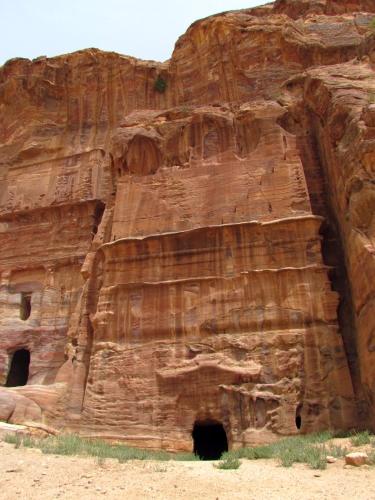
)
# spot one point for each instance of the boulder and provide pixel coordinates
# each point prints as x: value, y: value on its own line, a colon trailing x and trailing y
x: 357, y: 458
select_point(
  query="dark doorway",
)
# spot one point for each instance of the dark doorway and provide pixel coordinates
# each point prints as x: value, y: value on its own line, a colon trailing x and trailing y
x: 298, y: 417
x: 19, y: 369
x: 210, y: 440
x: 25, y: 309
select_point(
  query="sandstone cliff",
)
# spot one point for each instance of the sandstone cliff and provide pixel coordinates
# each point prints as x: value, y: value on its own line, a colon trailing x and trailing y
x: 197, y: 251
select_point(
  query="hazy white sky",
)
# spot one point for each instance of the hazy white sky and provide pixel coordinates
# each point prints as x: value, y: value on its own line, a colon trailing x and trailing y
x: 147, y: 29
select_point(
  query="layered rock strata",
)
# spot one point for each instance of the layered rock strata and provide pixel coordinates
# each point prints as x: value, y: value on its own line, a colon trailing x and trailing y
x: 197, y: 252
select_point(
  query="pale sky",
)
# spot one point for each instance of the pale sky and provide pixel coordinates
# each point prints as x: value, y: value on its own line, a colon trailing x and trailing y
x: 147, y: 29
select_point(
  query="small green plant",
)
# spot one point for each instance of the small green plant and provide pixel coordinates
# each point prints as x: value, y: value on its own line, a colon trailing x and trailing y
x: 257, y: 453
x: 343, y: 434
x: 160, y: 84
x: 301, y: 450
x: 18, y: 441
x: 316, y: 457
x: 11, y: 438
x: 309, y: 449
x: 228, y: 461
x: 337, y: 451
x: 186, y: 457
x: 372, y: 24
x: 361, y: 438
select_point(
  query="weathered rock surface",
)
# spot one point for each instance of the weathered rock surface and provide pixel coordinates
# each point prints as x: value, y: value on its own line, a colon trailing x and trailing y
x: 202, y: 254
x: 357, y: 458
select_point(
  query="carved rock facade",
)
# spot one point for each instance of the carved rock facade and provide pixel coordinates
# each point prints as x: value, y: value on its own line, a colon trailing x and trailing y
x: 199, y: 255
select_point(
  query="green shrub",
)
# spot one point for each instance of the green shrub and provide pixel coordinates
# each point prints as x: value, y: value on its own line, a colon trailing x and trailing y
x: 257, y: 453
x: 18, y: 442
x: 337, y: 451
x: 12, y: 438
x: 185, y: 457
x: 316, y: 457
x: 372, y: 24
x: 361, y: 438
x: 319, y: 437
x: 27, y: 442
x: 308, y: 449
x: 160, y: 84
x: 70, y: 444
x: 343, y: 434
x: 228, y: 461
x: 301, y: 450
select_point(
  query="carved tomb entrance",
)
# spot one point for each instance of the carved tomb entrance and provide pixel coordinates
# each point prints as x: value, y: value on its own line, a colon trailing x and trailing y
x: 210, y: 440
x: 19, y: 368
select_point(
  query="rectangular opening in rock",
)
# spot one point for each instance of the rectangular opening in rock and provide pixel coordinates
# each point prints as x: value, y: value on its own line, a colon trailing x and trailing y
x: 19, y: 368
x: 25, y: 307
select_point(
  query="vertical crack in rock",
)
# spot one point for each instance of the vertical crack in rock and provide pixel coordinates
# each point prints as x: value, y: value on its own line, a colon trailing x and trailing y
x: 320, y: 193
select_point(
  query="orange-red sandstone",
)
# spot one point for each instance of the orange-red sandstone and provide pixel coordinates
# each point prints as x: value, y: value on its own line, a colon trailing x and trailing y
x: 203, y: 253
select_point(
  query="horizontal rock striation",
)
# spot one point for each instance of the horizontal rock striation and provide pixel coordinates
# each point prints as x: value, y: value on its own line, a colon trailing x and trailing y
x: 191, y: 243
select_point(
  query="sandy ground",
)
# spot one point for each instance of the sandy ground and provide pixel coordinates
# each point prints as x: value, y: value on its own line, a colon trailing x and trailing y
x: 28, y: 474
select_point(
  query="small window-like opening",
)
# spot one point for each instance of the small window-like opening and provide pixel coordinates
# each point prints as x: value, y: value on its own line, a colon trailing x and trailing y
x: 298, y: 417
x: 19, y: 369
x: 25, y: 309
x: 210, y: 440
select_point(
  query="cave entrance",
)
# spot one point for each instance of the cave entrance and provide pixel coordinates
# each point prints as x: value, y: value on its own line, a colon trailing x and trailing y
x: 19, y: 368
x: 298, y: 419
x: 210, y: 440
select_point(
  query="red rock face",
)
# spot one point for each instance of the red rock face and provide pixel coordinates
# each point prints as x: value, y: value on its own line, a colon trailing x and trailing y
x: 199, y: 253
